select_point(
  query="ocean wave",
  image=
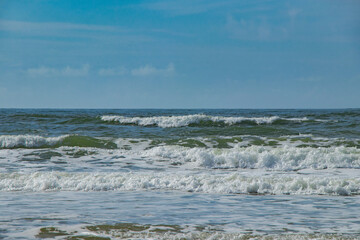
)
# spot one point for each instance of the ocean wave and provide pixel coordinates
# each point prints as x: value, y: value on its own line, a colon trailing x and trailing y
x: 237, y: 153
x: 35, y: 141
x: 29, y: 141
x: 186, y: 120
x: 231, y: 183
x: 286, y: 158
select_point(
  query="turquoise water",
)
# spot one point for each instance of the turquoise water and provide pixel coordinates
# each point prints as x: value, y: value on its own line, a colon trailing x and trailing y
x: 194, y: 174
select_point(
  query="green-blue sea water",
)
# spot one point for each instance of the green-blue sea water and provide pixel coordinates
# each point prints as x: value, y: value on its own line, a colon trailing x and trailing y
x: 179, y: 173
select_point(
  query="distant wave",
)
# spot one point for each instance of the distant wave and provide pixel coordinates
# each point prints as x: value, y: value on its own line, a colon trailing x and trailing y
x: 186, y: 120
x: 34, y: 141
x: 28, y: 141
x: 232, y: 183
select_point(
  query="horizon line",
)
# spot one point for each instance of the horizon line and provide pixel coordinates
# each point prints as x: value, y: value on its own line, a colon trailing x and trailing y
x: 66, y: 108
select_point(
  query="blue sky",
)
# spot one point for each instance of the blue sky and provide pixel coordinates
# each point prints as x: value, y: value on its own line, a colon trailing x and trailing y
x: 180, y: 54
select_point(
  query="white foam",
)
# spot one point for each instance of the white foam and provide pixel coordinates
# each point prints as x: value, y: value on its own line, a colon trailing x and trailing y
x: 181, y: 121
x: 140, y: 154
x: 279, y: 158
x: 13, y: 141
x: 204, y: 182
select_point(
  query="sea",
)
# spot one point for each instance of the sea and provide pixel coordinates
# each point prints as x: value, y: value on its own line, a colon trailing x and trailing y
x: 179, y: 174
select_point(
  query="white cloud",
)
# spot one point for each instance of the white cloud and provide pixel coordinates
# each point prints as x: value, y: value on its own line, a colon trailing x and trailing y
x: 53, y: 72
x: 149, y: 70
x: 108, y: 72
x: 68, y: 71
x: 256, y: 29
x: 42, y: 71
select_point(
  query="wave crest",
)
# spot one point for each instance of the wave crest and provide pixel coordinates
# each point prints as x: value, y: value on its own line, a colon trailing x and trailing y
x: 207, y: 183
x: 28, y: 141
x: 34, y: 141
x: 257, y: 157
x: 186, y: 120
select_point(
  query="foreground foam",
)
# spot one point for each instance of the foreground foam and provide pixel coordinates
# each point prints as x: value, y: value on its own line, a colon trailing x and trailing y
x: 175, y: 232
x: 186, y: 120
x: 229, y: 183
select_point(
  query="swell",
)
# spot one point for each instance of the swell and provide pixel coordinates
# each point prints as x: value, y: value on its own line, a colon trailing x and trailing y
x: 53, y: 118
x: 349, y: 113
x: 231, y: 183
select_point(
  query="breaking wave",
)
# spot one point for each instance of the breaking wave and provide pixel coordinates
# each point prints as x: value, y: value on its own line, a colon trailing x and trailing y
x: 230, y: 183
x: 197, y: 119
x: 29, y: 141
x: 198, y: 153
x: 34, y: 141
x: 285, y: 158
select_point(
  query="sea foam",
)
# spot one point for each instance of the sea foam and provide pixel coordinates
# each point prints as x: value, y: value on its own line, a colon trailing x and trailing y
x: 229, y: 183
x: 278, y: 158
x: 287, y: 158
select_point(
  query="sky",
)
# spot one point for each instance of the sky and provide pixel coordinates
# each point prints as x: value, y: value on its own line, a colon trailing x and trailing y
x: 180, y: 54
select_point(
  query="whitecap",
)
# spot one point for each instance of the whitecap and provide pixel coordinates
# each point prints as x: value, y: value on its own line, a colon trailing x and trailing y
x: 14, y: 141
x: 186, y: 120
x: 229, y: 183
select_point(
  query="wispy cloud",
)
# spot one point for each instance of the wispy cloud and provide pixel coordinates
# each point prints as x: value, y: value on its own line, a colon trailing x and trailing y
x: 243, y: 29
x: 55, y: 72
x: 149, y: 70
x: 108, y: 72
x: 310, y: 79
x: 254, y: 29
x: 185, y: 7
x: 81, y: 32
x: 21, y: 26
x: 293, y: 12
x: 143, y: 71
x: 73, y: 32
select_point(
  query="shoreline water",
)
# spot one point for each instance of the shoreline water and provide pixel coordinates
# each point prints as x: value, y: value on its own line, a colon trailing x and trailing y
x: 189, y: 213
